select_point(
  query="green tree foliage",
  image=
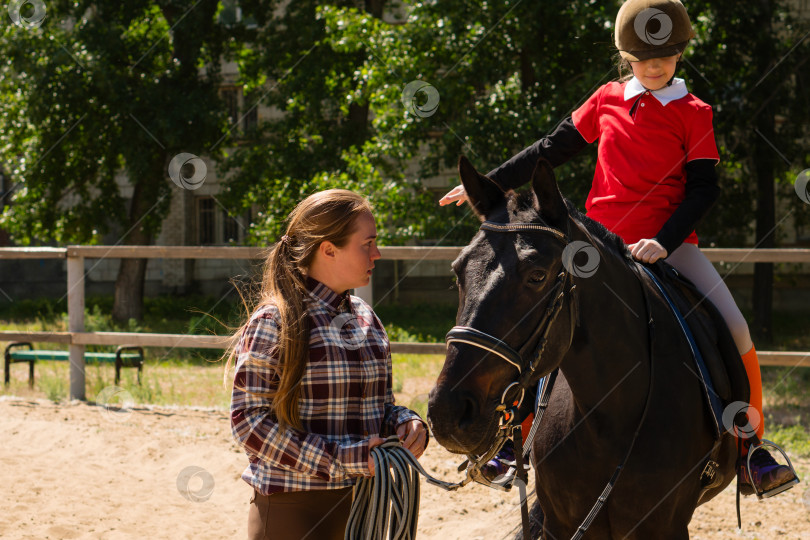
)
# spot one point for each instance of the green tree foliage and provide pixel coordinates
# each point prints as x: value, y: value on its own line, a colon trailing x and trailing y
x: 320, y: 140
x: 333, y: 74
x: 98, y: 88
x: 751, y: 62
x: 506, y: 73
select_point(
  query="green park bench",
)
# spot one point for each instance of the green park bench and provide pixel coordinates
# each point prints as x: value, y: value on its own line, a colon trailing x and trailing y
x: 121, y: 359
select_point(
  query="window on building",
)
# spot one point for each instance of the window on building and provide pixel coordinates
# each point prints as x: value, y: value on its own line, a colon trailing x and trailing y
x: 243, y: 111
x: 231, y: 14
x: 251, y: 118
x: 230, y: 96
x: 215, y: 226
x: 206, y: 221
x: 230, y: 229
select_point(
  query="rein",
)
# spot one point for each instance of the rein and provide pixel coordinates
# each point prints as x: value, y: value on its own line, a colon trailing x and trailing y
x: 609, y: 487
x: 527, y: 370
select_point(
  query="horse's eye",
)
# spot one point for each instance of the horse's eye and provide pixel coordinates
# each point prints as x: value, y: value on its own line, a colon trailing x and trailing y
x: 537, y: 277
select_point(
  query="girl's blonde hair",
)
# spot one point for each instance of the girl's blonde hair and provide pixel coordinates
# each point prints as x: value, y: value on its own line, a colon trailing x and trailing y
x: 623, y: 67
x: 326, y: 216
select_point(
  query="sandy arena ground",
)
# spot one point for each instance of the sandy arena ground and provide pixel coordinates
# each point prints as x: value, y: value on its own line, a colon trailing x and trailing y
x: 75, y: 470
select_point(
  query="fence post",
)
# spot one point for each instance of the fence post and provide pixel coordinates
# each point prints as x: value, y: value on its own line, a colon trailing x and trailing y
x: 75, y: 294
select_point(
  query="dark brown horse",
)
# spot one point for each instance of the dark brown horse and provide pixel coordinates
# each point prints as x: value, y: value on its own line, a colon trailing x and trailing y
x: 616, y: 376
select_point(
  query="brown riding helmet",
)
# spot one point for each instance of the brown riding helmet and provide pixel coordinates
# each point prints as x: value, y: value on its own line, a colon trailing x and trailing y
x: 652, y: 29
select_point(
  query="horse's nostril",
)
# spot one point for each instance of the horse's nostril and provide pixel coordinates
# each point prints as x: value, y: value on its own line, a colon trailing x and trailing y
x: 468, y: 413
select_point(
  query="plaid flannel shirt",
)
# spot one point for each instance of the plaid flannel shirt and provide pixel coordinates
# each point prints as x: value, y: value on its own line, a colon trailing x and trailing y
x: 345, y: 396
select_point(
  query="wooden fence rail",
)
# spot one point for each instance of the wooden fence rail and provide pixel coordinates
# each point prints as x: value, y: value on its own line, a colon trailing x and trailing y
x: 76, y: 338
x: 403, y: 253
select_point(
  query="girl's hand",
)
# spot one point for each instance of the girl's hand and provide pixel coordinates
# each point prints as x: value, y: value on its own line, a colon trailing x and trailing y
x: 648, y: 250
x: 413, y: 436
x: 457, y: 194
x: 372, y: 442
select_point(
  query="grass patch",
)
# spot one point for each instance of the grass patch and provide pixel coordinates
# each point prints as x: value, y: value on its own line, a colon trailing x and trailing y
x: 162, y: 383
x: 419, y: 404
x: 795, y: 439
x: 423, y: 323
x: 409, y: 366
x: 416, y: 367
x: 185, y: 383
x: 785, y: 388
x: 420, y: 372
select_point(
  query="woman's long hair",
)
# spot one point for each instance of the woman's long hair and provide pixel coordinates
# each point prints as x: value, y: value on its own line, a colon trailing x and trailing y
x: 331, y: 216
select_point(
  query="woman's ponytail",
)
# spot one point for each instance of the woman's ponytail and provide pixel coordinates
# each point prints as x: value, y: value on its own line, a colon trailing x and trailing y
x: 287, y: 289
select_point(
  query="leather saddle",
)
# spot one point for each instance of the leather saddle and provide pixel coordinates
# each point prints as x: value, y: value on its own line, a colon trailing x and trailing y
x: 714, y: 341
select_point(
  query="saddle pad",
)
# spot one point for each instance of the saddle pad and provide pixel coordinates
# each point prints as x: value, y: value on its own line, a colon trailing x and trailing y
x: 702, y: 336
x: 710, y: 332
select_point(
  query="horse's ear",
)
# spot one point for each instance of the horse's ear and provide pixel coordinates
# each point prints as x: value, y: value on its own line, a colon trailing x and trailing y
x: 552, y: 206
x: 482, y: 193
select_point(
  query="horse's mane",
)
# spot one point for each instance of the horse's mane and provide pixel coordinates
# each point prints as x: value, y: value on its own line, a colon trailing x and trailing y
x: 520, y: 206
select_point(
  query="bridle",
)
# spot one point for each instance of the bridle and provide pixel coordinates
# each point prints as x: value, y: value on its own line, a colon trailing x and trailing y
x: 525, y: 363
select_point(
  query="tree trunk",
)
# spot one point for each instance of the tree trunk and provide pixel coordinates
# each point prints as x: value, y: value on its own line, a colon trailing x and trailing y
x: 764, y: 165
x: 766, y: 222
x: 128, y: 303
x: 129, y: 290
x: 357, y: 131
x: 528, y: 77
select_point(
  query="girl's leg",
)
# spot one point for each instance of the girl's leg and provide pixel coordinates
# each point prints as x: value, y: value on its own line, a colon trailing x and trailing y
x: 693, y: 264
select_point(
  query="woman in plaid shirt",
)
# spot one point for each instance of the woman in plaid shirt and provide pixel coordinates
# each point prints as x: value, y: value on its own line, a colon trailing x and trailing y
x: 312, y: 388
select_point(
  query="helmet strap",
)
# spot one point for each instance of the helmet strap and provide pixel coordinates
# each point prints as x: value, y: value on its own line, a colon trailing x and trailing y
x: 677, y: 68
x: 678, y: 65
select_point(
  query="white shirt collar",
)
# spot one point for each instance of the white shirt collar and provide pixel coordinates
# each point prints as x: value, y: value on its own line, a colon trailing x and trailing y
x: 676, y: 90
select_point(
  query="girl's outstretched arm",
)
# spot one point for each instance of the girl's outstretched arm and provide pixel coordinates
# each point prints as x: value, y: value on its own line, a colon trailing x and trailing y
x: 563, y: 144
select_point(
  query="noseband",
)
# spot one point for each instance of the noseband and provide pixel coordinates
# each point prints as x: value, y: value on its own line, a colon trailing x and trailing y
x: 525, y: 363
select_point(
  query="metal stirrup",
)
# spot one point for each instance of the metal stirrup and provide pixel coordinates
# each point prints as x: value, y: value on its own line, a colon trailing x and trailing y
x: 763, y: 493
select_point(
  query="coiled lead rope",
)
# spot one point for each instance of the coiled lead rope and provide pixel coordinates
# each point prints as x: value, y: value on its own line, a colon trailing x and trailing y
x: 394, y: 487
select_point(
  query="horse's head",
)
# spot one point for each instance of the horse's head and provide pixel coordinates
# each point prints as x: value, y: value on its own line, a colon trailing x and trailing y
x: 512, y: 286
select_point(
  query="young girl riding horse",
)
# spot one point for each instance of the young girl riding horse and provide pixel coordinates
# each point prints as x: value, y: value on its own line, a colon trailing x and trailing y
x: 654, y: 179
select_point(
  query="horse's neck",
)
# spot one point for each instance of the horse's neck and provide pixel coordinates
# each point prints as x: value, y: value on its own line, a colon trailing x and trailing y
x: 609, y: 351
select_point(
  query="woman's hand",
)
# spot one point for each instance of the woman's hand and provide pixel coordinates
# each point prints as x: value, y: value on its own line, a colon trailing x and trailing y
x: 413, y: 436
x: 457, y: 195
x: 648, y: 250
x: 372, y: 442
